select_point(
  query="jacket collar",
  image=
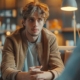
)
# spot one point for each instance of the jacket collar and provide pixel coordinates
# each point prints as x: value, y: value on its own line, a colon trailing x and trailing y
x: 42, y: 47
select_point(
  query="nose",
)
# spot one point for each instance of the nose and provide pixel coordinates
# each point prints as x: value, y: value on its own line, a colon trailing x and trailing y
x: 36, y: 23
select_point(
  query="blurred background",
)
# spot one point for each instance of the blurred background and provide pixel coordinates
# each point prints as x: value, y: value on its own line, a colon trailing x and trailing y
x: 59, y: 22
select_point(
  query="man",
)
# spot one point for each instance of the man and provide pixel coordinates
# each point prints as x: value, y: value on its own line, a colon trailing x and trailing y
x: 31, y: 52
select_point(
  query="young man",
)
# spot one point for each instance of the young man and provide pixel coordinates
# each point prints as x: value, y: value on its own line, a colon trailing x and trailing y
x: 31, y: 52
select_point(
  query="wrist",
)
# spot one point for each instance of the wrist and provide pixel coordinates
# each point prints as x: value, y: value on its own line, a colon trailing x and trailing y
x: 52, y: 75
x: 49, y: 75
x: 21, y: 76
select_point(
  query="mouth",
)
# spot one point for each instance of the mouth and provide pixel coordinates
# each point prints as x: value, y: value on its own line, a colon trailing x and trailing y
x: 35, y: 30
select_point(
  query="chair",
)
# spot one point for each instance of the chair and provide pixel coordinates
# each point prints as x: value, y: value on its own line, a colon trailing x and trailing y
x: 65, y: 56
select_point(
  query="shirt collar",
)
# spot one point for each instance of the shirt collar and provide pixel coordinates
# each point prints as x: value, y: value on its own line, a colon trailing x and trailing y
x: 37, y: 41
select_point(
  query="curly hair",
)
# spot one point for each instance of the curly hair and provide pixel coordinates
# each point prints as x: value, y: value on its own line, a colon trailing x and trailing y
x: 31, y: 7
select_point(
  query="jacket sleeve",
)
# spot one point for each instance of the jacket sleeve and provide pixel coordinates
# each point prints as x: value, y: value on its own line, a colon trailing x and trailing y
x: 8, y: 66
x: 55, y: 61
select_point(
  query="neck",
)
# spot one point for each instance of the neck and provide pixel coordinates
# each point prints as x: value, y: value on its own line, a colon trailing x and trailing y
x: 30, y: 38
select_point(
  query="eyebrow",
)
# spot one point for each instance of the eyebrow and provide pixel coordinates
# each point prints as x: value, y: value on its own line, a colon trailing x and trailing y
x: 34, y: 17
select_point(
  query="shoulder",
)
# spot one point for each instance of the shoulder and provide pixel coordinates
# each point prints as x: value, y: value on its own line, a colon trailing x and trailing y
x: 15, y: 36
x: 49, y: 38
x: 48, y: 34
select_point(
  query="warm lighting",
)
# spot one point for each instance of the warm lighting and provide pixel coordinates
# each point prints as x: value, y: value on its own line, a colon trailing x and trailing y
x: 69, y: 43
x: 8, y: 33
x: 14, y: 13
x: 71, y: 5
x: 0, y: 43
x: 56, y: 32
x: 68, y: 8
x: 0, y: 23
x: 9, y: 4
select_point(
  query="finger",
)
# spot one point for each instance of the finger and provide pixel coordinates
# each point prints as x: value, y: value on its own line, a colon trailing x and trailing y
x: 35, y: 72
x: 40, y: 79
x: 36, y: 69
x: 38, y: 66
x: 33, y: 77
x: 31, y: 68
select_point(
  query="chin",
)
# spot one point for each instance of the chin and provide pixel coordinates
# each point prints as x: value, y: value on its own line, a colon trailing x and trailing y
x: 35, y: 34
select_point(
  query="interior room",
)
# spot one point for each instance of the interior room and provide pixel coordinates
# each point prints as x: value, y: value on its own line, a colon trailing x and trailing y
x: 59, y: 22
x: 64, y: 24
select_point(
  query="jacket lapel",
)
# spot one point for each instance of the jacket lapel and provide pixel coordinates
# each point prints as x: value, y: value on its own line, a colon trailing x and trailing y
x: 45, y: 56
x: 40, y: 52
x: 42, y: 49
x: 24, y: 47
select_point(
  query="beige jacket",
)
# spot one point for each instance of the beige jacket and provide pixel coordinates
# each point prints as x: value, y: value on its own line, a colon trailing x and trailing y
x: 14, y: 53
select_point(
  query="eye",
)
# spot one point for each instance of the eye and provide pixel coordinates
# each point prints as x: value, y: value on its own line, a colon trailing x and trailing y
x: 39, y: 19
x: 31, y: 20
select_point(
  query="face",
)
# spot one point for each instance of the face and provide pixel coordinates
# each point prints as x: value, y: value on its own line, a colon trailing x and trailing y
x: 34, y: 24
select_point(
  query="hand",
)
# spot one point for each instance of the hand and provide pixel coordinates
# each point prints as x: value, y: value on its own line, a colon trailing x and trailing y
x: 25, y: 76
x: 29, y: 75
x: 36, y: 68
x: 40, y: 75
x: 43, y: 76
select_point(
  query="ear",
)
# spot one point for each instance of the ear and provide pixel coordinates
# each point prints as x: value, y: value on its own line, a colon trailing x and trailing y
x: 23, y: 22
